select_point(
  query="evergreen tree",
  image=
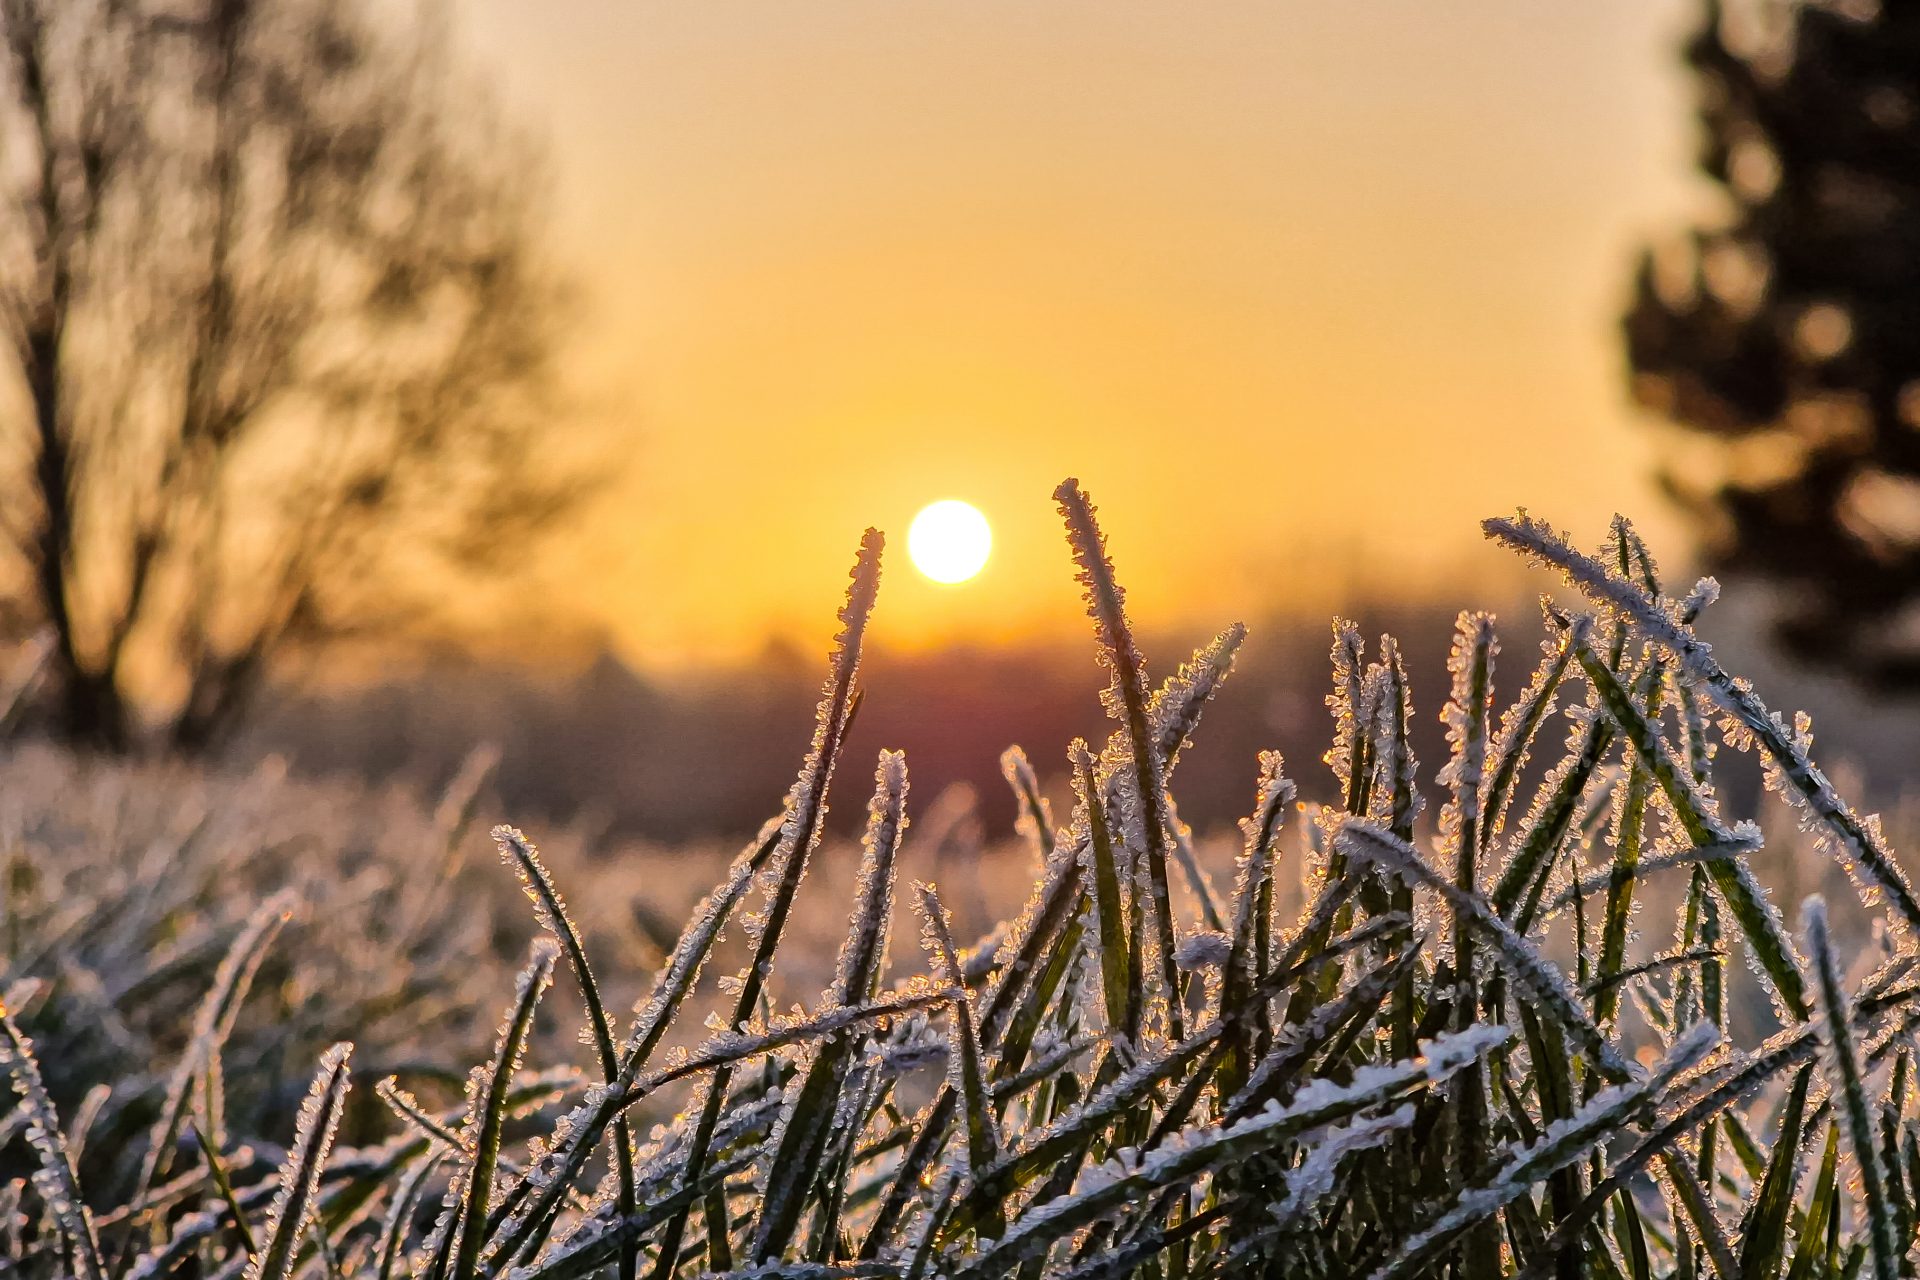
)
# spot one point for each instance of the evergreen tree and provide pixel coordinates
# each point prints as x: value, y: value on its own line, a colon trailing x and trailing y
x: 1784, y: 339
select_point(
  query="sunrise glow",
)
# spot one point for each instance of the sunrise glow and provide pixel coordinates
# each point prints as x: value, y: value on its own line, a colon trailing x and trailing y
x: 949, y: 541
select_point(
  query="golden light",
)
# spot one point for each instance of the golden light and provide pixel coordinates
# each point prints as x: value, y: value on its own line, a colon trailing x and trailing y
x: 949, y: 541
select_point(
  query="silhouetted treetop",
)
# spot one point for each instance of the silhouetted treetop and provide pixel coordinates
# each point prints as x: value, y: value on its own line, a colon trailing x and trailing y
x: 1784, y: 337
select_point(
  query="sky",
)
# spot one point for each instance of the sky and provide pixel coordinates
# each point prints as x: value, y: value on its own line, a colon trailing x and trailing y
x: 1300, y: 292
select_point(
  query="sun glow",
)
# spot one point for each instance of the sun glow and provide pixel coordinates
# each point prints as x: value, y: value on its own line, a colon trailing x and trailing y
x: 949, y: 541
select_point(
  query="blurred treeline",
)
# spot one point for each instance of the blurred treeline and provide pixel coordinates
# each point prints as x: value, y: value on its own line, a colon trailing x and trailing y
x: 691, y: 756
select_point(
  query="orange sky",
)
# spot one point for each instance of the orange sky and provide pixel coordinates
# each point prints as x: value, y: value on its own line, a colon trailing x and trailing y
x: 1299, y: 291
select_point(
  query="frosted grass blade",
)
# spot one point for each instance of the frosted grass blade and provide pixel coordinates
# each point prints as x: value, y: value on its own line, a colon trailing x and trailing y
x: 551, y: 910
x: 671, y: 989
x: 805, y: 1126
x: 1744, y: 896
x: 1560, y: 1145
x: 1629, y: 837
x: 805, y: 812
x: 1857, y: 839
x: 1518, y: 728
x: 212, y: 1023
x: 299, y: 1179
x: 400, y: 1211
x: 487, y: 1107
x: 1847, y: 1081
x: 1253, y: 885
x: 53, y: 1176
x: 222, y: 1183
x: 1546, y: 983
x: 1467, y: 715
x: 1127, y: 702
x: 1119, y: 982
x: 1212, y: 1147
x: 965, y: 1073
x: 1763, y: 1241
x: 1175, y: 708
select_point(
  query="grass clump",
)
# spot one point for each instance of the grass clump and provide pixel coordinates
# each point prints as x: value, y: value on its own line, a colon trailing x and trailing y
x: 1455, y: 1061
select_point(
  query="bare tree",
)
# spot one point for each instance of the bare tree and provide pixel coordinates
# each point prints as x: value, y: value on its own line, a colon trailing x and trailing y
x: 277, y: 346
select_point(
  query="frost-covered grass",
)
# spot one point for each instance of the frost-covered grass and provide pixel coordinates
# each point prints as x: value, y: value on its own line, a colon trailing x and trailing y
x: 1393, y: 1043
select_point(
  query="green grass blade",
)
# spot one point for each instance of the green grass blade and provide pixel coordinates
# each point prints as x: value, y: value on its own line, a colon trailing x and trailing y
x: 1718, y: 1092
x: 222, y: 1183
x: 1552, y: 994
x: 1847, y: 1081
x: 1253, y: 886
x: 1127, y: 702
x: 1629, y: 837
x: 1550, y: 821
x: 1763, y: 1241
x: 807, y: 1122
x: 1518, y: 728
x: 1758, y: 921
x: 1119, y: 982
x: 1598, y: 1119
x: 1811, y: 1249
x: 966, y: 1074
x: 1858, y: 840
x: 1213, y: 1147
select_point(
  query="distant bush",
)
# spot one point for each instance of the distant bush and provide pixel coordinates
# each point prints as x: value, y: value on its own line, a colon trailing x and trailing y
x: 1425, y: 1073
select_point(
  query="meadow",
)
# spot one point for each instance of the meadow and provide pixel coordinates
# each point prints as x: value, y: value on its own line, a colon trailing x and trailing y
x: 1528, y: 1010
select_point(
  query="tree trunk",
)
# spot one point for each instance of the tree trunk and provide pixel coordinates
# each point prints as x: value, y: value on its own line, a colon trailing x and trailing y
x: 89, y: 707
x: 92, y: 713
x: 222, y: 690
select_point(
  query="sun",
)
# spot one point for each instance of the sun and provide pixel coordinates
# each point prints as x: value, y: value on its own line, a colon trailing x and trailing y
x: 949, y: 541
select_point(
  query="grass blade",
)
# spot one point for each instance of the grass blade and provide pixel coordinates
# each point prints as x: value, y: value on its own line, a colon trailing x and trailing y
x: 1466, y: 715
x: 1212, y: 1147
x: 1253, y: 886
x: 1119, y: 980
x: 805, y: 1127
x: 293, y: 1206
x: 53, y: 1175
x: 805, y: 812
x: 487, y: 1107
x: 1847, y: 1082
x: 212, y: 1023
x: 1174, y: 710
x: 217, y: 1169
x: 1763, y: 1241
x: 1518, y: 727
x: 965, y: 1073
x: 1858, y: 840
x: 1547, y: 984
x: 1567, y: 1141
x: 1127, y: 702
x: 1748, y: 901
x: 551, y: 910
